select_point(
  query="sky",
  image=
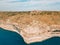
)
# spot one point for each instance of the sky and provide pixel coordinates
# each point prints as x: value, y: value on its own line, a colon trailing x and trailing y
x: 29, y: 5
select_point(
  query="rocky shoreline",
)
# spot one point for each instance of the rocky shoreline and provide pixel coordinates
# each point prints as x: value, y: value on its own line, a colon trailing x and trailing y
x: 32, y: 26
x: 34, y: 32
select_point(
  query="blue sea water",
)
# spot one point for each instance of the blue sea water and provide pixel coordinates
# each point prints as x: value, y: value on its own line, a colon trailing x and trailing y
x: 13, y: 38
x: 10, y: 38
x: 51, y: 41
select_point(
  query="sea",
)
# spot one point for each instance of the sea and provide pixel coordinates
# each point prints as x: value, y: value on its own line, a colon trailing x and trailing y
x: 13, y: 38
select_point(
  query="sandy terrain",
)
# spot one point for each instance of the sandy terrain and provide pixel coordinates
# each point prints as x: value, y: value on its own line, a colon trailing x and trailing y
x: 33, y: 26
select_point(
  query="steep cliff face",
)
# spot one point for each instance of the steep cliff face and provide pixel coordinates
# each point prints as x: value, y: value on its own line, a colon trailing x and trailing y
x: 31, y: 25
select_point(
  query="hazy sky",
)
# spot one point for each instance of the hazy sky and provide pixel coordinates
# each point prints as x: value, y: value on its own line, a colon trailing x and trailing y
x: 26, y: 5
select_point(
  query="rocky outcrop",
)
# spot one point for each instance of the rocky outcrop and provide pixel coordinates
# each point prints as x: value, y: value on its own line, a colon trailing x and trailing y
x: 32, y: 26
